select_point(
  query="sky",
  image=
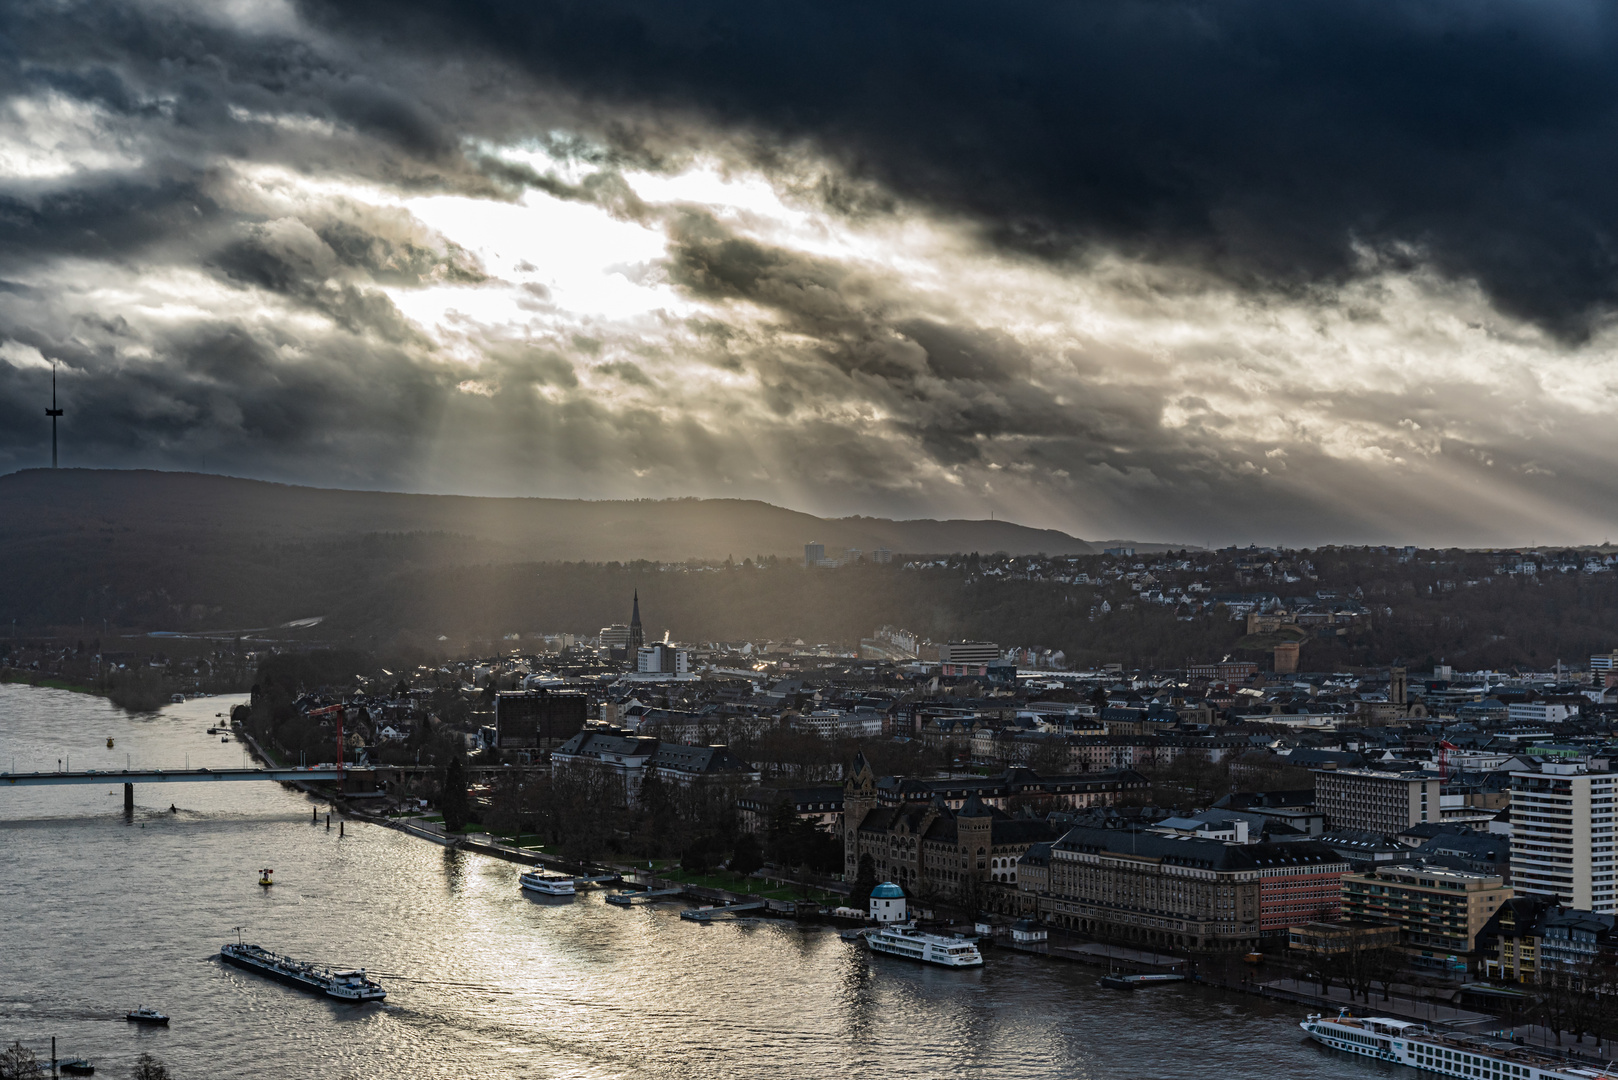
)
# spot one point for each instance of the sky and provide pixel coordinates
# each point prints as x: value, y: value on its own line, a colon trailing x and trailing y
x: 1236, y: 271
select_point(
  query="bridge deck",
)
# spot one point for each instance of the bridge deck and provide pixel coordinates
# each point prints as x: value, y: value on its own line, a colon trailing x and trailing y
x: 175, y: 776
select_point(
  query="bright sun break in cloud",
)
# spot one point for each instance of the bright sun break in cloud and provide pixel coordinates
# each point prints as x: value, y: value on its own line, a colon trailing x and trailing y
x: 256, y: 239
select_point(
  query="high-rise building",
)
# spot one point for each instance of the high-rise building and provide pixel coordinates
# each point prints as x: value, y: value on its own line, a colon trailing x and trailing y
x: 814, y: 554
x: 969, y: 652
x: 662, y: 658
x: 1368, y: 800
x: 535, y: 719
x: 1561, y: 835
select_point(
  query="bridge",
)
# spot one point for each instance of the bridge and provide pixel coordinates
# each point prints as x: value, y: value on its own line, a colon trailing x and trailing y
x: 292, y: 774
x: 130, y: 777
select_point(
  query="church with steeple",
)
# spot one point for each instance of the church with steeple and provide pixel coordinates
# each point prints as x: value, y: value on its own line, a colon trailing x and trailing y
x: 637, y: 635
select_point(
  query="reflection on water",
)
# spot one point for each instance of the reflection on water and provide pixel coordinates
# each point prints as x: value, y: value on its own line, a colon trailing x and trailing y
x: 101, y: 916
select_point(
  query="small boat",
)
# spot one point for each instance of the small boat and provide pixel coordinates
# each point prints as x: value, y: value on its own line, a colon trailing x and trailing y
x: 264, y: 876
x: 109, y: 742
x: 213, y: 731
x: 548, y: 884
x: 76, y: 1067
x: 144, y: 1015
x: 224, y: 738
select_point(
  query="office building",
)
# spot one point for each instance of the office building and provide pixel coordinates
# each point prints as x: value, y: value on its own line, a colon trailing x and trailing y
x: 1368, y: 800
x: 1439, y: 911
x: 536, y: 719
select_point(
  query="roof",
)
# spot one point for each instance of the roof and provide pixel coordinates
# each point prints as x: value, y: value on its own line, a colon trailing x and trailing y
x: 698, y: 759
x: 887, y: 891
x: 1185, y: 851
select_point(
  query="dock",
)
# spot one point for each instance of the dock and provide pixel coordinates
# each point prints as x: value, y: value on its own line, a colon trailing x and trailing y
x: 630, y: 899
x: 709, y: 914
x: 649, y: 896
x: 597, y: 879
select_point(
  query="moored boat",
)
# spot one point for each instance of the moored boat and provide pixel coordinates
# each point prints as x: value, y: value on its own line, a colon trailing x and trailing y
x: 1448, y: 1053
x: 913, y: 944
x: 548, y: 884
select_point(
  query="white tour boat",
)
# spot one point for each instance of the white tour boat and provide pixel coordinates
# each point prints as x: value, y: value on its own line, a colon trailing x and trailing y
x: 548, y: 884
x: 909, y: 942
x: 1478, y: 1057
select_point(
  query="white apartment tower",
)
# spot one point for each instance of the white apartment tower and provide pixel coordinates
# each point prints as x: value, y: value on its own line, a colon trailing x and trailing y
x: 1561, y: 835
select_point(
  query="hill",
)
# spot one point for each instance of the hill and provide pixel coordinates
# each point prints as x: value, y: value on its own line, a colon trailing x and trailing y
x: 44, y: 502
x: 152, y: 550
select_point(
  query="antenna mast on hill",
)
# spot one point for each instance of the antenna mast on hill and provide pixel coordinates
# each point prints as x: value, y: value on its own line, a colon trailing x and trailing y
x: 53, y: 412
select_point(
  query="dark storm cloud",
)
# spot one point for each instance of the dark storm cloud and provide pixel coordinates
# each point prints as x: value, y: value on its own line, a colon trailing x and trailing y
x: 1245, y: 315
x: 1262, y: 138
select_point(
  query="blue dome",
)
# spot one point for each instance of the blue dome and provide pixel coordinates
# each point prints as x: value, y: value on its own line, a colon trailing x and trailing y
x: 887, y: 891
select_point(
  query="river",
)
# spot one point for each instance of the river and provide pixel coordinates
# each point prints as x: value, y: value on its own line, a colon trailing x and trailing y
x: 98, y: 916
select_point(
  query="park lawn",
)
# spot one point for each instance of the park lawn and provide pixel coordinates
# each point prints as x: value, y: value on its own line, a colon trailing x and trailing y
x: 49, y: 684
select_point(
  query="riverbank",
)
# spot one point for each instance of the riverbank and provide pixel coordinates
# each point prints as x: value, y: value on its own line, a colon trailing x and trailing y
x: 22, y: 677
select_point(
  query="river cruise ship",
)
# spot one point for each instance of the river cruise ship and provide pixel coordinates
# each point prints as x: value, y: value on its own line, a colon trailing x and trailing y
x: 349, y: 985
x: 1477, y: 1057
x: 548, y: 884
x: 909, y: 942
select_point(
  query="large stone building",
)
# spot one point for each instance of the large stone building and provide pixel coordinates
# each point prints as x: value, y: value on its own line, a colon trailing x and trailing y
x: 1138, y: 886
x: 1013, y: 790
x: 928, y: 845
x: 623, y: 760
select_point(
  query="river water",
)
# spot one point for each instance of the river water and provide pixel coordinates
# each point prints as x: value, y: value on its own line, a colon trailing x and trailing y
x: 98, y: 916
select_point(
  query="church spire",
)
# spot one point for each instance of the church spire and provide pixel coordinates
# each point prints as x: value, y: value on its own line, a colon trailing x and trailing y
x: 637, y: 636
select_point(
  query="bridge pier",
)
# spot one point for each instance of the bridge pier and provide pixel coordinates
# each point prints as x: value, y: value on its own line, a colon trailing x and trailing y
x: 129, y: 799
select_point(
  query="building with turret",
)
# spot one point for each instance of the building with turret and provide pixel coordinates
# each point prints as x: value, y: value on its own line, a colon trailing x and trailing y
x: 944, y: 837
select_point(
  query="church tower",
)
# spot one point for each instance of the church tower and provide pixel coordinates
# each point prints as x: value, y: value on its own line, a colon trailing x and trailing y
x: 637, y: 636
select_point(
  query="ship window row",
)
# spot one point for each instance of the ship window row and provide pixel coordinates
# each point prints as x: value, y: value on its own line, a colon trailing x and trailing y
x: 1468, y: 1064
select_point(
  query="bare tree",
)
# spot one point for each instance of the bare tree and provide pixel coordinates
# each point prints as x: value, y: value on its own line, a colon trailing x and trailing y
x: 147, y: 1067
x: 17, y: 1062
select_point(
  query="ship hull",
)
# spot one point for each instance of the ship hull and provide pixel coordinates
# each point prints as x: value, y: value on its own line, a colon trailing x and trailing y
x: 306, y: 983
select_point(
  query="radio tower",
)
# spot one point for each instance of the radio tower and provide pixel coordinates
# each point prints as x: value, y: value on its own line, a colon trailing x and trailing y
x: 53, y: 412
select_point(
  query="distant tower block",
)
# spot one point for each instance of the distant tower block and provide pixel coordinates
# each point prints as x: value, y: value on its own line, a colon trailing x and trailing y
x: 53, y: 412
x: 1286, y: 658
